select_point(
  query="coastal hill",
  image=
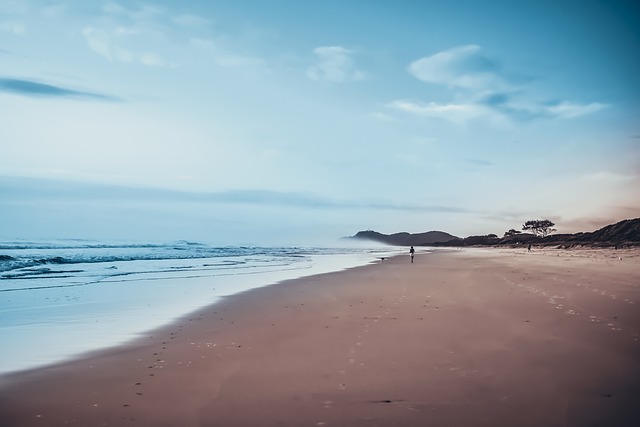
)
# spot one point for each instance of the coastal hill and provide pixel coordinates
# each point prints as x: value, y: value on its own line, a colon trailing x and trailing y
x: 405, y: 239
x: 621, y: 234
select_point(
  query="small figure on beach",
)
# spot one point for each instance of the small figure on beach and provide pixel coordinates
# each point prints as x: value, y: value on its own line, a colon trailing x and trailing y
x: 412, y: 253
x: 529, y: 248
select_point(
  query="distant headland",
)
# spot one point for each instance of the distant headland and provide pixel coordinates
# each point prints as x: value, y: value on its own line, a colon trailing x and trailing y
x: 428, y: 238
x: 625, y: 233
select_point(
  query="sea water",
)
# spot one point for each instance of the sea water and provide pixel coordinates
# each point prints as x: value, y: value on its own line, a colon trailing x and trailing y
x: 62, y: 298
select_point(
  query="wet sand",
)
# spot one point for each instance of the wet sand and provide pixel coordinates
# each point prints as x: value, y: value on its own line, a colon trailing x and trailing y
x: 496, y: 337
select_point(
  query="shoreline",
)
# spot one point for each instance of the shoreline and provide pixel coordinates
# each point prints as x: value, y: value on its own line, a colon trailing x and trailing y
x: 472, y: 337
x: 52, y: 324
x: 219, y: 304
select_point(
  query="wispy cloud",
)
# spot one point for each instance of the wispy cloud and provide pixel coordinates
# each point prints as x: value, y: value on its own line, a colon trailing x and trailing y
x: 156, y: 36
x: 113, y: 46
x: 144, y: 12
x: 36, y: 188
x: 131, y: 35
x: 152, y: 14
x: 462, y: 67
x: 483, y: 90
x: 37, y: 89
x: 569, y: 110
x: 455, y: 113
x: 302, y: 200
x: 334, y: 64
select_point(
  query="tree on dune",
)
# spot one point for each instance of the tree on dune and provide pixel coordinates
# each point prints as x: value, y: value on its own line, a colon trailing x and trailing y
x: 539, y: 227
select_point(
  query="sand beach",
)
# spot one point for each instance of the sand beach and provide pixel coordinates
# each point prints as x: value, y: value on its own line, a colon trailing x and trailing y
x: 474, y: 337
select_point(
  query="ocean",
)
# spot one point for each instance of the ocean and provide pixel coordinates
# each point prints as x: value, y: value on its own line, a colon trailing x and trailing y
x: 62, y: 298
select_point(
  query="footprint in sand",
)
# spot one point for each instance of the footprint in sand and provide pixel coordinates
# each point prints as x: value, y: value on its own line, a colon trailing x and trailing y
x: 612, y: 325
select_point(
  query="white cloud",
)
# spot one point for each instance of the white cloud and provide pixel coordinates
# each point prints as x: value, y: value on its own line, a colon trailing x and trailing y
x: 455, y: 113
x: 108, y: 44
x: 463, y: 112
x: 334, y: 64
x: 461, y: 67
x: 484, y: 90
x: 559, y: 110
x: 130, y: 35
x: 569, y: 110
x: 153, y: 36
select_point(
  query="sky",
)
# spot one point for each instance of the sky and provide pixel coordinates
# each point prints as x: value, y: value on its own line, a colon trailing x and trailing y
x: 299, y: 122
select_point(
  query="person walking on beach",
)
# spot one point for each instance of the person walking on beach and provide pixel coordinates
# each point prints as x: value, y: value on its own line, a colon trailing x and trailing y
x: 412, y: 253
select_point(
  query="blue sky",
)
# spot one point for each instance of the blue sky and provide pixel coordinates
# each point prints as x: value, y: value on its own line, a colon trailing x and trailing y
x: 252, y: 122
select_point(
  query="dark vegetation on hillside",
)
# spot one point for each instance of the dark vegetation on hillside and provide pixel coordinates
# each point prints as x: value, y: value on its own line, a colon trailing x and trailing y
x: 622, y: 234
x: 405, y: 239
